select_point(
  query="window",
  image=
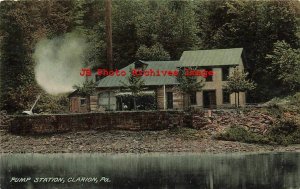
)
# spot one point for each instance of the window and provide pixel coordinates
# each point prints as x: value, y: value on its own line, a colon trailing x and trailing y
x: 226, y: 97
x: 169, y: 100
x: 225, y: 73
x: 140, y: 66
x: 82, y: 101
x: 193, y: 98
x: 107, y: 100
x: 209, y: 77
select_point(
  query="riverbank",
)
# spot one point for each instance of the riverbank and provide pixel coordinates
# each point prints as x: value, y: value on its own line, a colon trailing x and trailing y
x: 176, y: 140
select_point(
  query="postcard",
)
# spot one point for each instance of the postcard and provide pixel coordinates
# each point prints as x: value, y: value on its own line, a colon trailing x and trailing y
x: 150, y: 94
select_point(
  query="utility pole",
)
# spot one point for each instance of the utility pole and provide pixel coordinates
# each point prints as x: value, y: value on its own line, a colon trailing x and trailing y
x: 108, y: 30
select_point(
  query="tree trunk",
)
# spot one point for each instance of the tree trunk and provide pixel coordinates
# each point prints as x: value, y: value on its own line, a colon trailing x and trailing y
x: 238, y: 100
x: 189, y: 101
x: 108, y: 30
x: 235, y: 99
x: 134, y: 103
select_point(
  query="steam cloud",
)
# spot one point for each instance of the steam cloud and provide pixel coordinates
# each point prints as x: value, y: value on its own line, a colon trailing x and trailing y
x: 59, y: 62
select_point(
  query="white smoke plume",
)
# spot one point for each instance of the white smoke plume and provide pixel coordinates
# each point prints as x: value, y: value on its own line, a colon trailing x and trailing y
x: 59, y: 62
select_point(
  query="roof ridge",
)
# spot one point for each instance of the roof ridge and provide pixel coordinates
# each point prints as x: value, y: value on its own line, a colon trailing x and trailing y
x: 213, y: 49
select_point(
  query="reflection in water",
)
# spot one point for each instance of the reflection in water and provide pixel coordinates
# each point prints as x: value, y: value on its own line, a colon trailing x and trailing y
x: 164, y: 170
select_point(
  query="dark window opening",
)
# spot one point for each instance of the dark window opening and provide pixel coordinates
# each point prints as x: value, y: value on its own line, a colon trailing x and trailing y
x: 209, y: 99
x: 209, y: 77
x: 193, y: 98
x: 226, y: 97
x: 140, y: 66
x: 82, y: 101
x: 225, y: 73
x: 169, y: 100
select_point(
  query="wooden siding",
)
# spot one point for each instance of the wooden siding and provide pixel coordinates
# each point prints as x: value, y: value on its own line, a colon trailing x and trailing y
x: 76, y: 107
x: 177, y: 98
x: 94, y: 103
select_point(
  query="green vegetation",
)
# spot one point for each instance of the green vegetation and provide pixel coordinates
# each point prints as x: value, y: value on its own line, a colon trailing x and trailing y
x: 189, y: 85
x: 238, y: 133
x: 237, y: 83
x: 286, y: 129
x: 135, y: 85
x: 86, y: 89
x: 152, y: 29
x: 155, y: 52
x: 52, y: 104
x: 285, y: 63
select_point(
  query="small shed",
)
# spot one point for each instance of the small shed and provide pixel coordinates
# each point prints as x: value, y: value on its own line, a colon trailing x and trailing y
x: 78, y: 103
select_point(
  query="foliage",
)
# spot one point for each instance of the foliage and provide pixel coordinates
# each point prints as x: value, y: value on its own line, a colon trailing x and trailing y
x: 284, y: 134
x: 170, y: 23
x: 135, y: 85
x: 155, y: 52
x: 52, y: 104
x: 189, y: 84
x: 138, y: 28
x: 279, y: 105
x: 285, y: 129
x: 4, y: 118
x: 87, y: 88
x: 238, y: 133
x: 22, y: 25
x: 237, y: 82
x: 285, y: 65
x: 88, y: 22
x: 255, y: 26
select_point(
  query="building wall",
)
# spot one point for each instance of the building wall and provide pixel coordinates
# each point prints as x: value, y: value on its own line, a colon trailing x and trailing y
x: 77, y: 107
x: 218, y: 85
x: 94, y: 103
x: 178, y: 102
x: 111, y: 100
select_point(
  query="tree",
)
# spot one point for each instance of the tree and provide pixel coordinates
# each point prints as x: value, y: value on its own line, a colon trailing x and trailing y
x: 155, y: 52
x: 108, y: 31
x: 23, y: 24
x: 135, y: 84
x: 18, y: 86
x: 285, y: 66
x: 238, y: 82
x: 189, y: 84
x: 88, y: 23
x: 86, y: 89
x: 125, y: 43
x: 253, y: 25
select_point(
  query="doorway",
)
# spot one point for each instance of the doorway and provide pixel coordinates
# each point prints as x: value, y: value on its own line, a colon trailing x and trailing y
x: 169, y: 100
x: 209, y: 99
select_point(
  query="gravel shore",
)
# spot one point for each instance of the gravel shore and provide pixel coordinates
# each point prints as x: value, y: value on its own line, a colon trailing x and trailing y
x: 179, y: 140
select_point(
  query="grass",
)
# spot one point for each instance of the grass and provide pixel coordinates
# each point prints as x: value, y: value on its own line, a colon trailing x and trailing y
x: 238, y: 133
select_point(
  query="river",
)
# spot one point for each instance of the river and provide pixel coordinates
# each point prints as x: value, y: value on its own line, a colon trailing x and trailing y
x: 151, y: 171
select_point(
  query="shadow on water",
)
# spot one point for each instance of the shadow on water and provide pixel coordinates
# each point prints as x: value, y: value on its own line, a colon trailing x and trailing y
x: 153, y: 171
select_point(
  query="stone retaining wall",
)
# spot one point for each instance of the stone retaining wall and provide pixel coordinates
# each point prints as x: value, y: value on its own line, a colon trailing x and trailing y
x: 215, y: 121
x: 46, y: 124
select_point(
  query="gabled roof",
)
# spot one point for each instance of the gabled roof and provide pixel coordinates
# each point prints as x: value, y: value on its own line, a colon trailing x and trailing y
x: 201, y: 58
x: 116, y: 81
x: 214, y: 57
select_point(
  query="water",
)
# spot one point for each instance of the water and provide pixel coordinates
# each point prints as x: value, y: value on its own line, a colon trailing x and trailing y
x: 163, y: 170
